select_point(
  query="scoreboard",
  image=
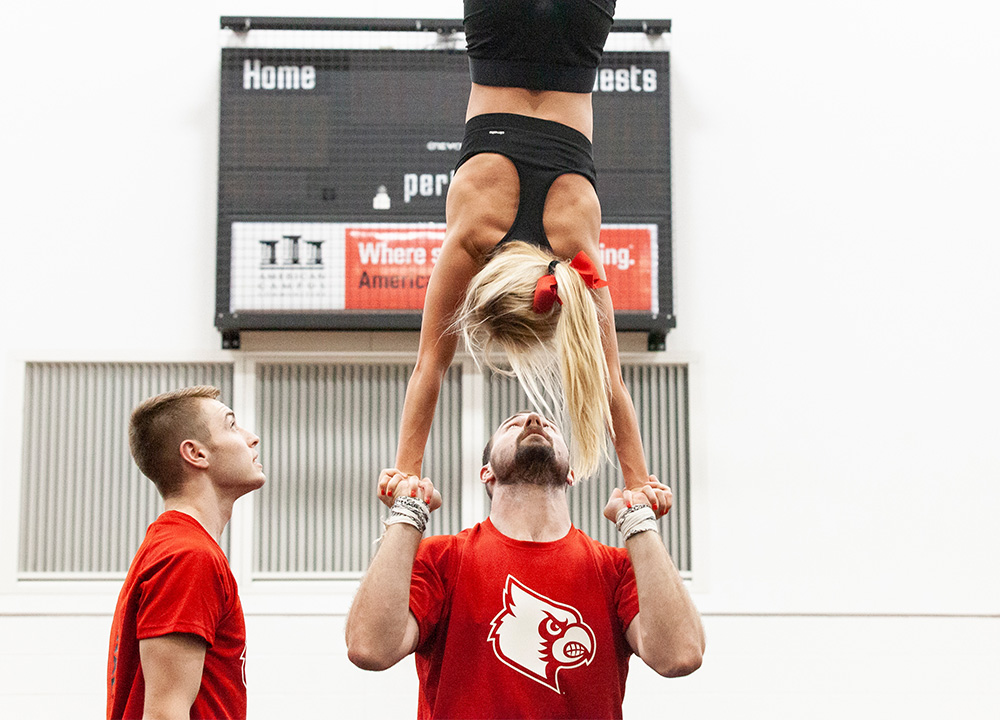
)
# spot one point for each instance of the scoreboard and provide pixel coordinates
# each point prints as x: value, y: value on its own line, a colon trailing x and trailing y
x: 334, y: 165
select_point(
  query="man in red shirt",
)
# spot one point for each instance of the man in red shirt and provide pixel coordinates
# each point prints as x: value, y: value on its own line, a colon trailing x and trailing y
x: 523, y: 615
x: 178, y: 639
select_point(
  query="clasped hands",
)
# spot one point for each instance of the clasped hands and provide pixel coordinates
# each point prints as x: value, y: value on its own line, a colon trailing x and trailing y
x: 394, y: 483
x: 654, y: 493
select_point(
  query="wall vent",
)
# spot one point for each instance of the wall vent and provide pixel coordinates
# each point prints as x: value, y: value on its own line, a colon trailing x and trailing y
x: 85, y: 506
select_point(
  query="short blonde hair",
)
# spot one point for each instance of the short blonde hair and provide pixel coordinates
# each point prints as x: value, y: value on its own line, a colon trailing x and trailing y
x: 557, y: 356
x: 157, y: 428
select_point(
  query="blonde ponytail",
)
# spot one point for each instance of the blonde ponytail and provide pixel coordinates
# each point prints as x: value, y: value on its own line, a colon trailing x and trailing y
x: 557, y: 356
x: 585, y: 375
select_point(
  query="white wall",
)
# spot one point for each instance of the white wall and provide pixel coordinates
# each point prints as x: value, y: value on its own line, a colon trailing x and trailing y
x: 836, y: 253
x: 757, y: 669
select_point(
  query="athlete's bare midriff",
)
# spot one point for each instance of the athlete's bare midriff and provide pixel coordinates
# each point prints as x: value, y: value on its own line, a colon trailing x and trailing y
x: 574, y: 110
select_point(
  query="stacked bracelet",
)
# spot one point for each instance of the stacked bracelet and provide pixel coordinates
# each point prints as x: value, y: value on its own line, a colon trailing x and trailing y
x: 634, y: 520
x: 411, y: 511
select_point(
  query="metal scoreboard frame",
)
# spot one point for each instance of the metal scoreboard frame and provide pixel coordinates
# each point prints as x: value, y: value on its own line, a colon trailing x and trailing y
x: 337, y: 143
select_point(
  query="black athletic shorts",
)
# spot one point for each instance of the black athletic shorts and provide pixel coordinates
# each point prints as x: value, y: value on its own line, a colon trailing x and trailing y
x: 551, y: 45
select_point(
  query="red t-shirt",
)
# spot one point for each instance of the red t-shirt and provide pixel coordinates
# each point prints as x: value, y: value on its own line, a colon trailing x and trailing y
x: 516, y: 629
x: 179, y: 582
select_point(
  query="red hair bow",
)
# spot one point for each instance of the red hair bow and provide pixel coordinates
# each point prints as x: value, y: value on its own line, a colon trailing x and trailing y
x: 546, y: 294
x: 588, y: 271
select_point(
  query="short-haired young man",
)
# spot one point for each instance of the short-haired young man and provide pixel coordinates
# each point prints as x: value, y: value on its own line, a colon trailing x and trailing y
x: 523, y: 615
x: 178, y: 639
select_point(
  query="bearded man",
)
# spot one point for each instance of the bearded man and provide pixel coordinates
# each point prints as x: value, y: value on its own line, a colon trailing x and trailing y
x: 523, y: 615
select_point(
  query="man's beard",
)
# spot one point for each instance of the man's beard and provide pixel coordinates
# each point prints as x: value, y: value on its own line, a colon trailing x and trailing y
x: 534, y: 464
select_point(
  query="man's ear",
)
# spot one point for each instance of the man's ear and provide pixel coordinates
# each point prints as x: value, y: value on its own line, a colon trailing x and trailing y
x: 194, y: 453
x: 486, y: 474
x: 571, y: 478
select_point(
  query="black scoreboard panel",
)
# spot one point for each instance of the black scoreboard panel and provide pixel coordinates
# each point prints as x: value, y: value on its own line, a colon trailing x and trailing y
x: 331, y: 157
x: 322, y: 151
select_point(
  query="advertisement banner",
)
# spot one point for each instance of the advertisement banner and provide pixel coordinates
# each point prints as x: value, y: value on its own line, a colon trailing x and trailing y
x: 629, y: 256
x: 388, y: 267
x: 286, y: 267
x: 309, y: 267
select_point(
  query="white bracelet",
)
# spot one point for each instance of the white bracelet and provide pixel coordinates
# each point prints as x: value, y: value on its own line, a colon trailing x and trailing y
x: 410, y: 511
x: 396, y: 519
x: 636, y: 519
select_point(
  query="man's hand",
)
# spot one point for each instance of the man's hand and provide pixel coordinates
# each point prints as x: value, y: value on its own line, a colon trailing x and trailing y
x: 393, y: 483
x: 654, y: 493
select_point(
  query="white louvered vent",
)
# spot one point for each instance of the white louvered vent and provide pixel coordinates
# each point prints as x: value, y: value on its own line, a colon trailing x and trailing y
x: 659, y: 393
x: 85, y: 506
x: 326, y: 431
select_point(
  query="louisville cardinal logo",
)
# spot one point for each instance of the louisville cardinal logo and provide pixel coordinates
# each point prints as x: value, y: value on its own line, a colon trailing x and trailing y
x: 539, y: 637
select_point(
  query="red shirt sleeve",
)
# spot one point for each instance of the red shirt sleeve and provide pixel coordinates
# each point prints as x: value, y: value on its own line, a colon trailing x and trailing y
x: 427, y: 583
x: 626, y: 594
x: 185, y: 593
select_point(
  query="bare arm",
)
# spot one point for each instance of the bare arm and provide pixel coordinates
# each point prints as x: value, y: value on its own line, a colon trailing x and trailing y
x: 450, y: 278
x: 171, y: 666
x: 381, y: 630
x: 628, y: 442
x: 434, y: 356
x: 667, y: 632
x: 482, y: 204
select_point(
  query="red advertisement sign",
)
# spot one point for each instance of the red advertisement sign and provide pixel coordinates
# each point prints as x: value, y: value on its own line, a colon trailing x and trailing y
x: 627, y: 253
x: 388, y: 267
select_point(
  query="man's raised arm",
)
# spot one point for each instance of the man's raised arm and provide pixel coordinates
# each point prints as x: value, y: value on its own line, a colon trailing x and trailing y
x: 667, y: 633
x: 381, y: 630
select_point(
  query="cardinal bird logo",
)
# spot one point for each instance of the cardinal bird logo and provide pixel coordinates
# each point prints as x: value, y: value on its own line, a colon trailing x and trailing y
x: 539, y: 637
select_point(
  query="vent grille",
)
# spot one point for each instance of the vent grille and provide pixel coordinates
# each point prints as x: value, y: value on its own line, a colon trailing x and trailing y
x: 326, y: 433
x: 327, y: 430
x: 85, y: 506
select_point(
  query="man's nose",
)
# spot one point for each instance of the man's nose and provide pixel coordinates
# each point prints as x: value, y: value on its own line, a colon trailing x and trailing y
x: 533, y: 419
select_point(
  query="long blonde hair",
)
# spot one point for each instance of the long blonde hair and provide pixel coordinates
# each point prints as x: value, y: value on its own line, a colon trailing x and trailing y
x: 562, y: 344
